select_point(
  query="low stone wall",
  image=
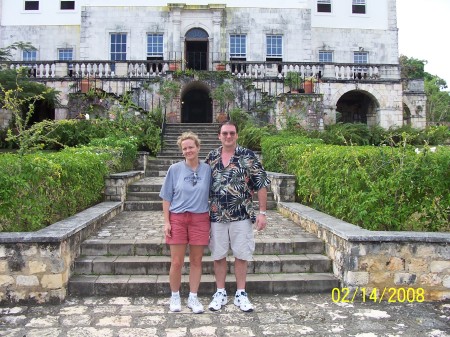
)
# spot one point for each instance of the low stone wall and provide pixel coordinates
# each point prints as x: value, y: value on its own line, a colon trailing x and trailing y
x: 35, y: 267
x: 116, y: 184
x: 398, y: 266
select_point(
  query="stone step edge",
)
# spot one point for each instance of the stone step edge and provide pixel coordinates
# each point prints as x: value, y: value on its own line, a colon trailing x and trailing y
x: 157, y: 247
x: 158, y: 285
x: 147, y: 265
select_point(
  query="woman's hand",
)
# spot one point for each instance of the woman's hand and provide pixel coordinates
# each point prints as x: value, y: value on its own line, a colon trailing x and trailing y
x: 168, y: 230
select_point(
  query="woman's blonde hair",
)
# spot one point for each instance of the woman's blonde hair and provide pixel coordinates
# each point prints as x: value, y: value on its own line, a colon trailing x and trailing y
x: 188, y: 135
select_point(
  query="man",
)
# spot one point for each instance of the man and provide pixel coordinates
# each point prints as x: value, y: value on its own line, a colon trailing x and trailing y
x: 236, y: 175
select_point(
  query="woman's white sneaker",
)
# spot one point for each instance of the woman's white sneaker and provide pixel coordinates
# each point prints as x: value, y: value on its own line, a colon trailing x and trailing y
x: 195, y: 305
x: 175, y: 304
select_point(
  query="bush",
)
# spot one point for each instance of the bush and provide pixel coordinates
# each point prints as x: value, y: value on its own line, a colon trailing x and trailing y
x: 125, y: 147
x: 273, y: 149
x: 39, y: 189
x: 377, y: 188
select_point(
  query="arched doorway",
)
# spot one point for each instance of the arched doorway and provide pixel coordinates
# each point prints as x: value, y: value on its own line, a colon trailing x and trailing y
x: 196, y: 49
x: 196, y: 105
x: 356, y: 106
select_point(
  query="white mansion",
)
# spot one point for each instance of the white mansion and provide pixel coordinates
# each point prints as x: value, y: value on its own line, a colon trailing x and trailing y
x: 348, y: 47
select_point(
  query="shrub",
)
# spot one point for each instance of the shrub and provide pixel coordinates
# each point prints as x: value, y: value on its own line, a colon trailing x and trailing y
x: 39, y: 189
x: 377, y: 188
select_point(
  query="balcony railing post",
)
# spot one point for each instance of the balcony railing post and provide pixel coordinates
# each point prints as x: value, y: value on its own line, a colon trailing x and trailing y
x: 61, y: 69
x: 122, y: 69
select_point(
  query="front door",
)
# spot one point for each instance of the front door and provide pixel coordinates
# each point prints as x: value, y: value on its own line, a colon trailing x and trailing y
x: 196, y: 49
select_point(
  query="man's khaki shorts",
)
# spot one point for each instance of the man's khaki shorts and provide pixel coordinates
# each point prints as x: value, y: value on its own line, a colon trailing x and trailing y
x: 237, y: 234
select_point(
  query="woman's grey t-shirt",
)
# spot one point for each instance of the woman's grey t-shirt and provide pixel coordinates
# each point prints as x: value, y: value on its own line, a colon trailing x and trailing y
x: 179, y: 188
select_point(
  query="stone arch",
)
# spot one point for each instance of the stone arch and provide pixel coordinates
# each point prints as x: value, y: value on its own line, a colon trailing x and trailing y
x: 355, y: 104
x: 196, y: 103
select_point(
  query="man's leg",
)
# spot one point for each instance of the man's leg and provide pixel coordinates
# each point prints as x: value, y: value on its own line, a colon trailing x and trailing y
x: 220, y: 272
x: 240, y: 271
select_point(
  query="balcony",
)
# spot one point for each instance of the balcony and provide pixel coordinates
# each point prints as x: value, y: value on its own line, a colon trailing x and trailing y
x: 103, y: 69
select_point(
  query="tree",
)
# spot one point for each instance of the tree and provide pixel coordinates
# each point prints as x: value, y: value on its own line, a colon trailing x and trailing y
x: 411, y: 68
x: 438, y: 100
x: 6, y: 52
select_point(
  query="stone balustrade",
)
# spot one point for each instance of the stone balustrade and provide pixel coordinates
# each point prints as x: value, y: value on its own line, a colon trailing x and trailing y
x: 247, y: 69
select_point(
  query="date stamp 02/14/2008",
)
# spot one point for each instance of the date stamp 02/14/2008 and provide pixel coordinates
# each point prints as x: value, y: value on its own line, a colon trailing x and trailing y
x: 376, y: 295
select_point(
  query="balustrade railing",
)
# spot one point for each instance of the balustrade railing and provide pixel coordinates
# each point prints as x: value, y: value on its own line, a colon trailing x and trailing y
x: 245, y: 69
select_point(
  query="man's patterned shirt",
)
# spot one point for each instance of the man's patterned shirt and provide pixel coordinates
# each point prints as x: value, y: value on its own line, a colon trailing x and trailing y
x: 232, y: 187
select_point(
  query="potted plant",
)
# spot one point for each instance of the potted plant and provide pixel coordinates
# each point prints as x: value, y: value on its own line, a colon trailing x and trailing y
x: 293, y: 80
x: 223, y: 94
x: 309, y: 84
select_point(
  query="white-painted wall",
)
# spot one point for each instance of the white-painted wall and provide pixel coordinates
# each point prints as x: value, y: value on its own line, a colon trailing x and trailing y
x: 305, y: 32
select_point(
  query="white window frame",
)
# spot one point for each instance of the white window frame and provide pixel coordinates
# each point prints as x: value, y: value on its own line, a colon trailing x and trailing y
x: 31, y: 10
x: 64, y: 51
x: 67, y: 9
x: 29, y: 55
x: 155, y: 48
x: 274, y: 42
x: 111, y: 44
x: 324, y: 3
x: 359, y: 4
x: 238, y: 42
x: 328, y: 53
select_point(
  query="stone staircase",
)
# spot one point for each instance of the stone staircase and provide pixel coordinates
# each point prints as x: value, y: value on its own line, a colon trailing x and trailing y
x: 128, y: 256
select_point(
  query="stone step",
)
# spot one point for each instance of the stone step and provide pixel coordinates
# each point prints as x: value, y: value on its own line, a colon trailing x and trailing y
x: 143, y: 196
x: 142, y: 205
x: 158, y: 285
x: 156, y: 247
x: 160, y: 265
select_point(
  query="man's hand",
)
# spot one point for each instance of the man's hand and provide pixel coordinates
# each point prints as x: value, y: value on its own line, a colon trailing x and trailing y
x: 261, y: 222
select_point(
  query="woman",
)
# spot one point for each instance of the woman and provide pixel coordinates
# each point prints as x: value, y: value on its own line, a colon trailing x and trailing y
x: 186, y: 219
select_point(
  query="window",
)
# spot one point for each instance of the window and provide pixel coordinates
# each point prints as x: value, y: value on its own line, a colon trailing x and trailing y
x: 29, y: 55
x: 274, y: 48
x: 359, y: 6
x: 324, y: 6
x: 155, y: 46
x: 31, y: 5
x: 67, y: 5
x: 238, y: 48
x: 360, y: 57
x: 65, y: 54
x: 118, y: 47
x: 325, y: 56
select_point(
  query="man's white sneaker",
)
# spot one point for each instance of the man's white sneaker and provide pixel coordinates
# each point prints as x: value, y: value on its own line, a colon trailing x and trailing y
x: 195, y: 305
x: 241, y: 300
x: 175, y: 303
x: 219, y: 299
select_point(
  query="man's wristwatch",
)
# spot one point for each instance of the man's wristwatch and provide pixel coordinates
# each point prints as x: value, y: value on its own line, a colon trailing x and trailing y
x: 263, y: 212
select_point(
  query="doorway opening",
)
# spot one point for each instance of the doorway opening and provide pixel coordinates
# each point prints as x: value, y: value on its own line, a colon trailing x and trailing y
x: 196, y: 105
x: 196, y: 49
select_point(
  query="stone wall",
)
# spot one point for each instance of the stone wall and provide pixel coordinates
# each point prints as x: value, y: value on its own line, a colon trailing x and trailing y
x: 35, y: 267
x: 377, y: 260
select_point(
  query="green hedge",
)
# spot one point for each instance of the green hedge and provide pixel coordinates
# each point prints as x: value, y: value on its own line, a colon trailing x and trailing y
x: 39, y: 189
x: 377, y: 188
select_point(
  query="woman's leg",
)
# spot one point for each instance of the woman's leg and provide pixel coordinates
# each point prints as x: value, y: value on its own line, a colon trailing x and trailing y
x: 177, y: 253
x: 195, y: 260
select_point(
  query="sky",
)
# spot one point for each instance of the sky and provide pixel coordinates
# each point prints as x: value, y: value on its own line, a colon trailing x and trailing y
x: 423, y: 29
